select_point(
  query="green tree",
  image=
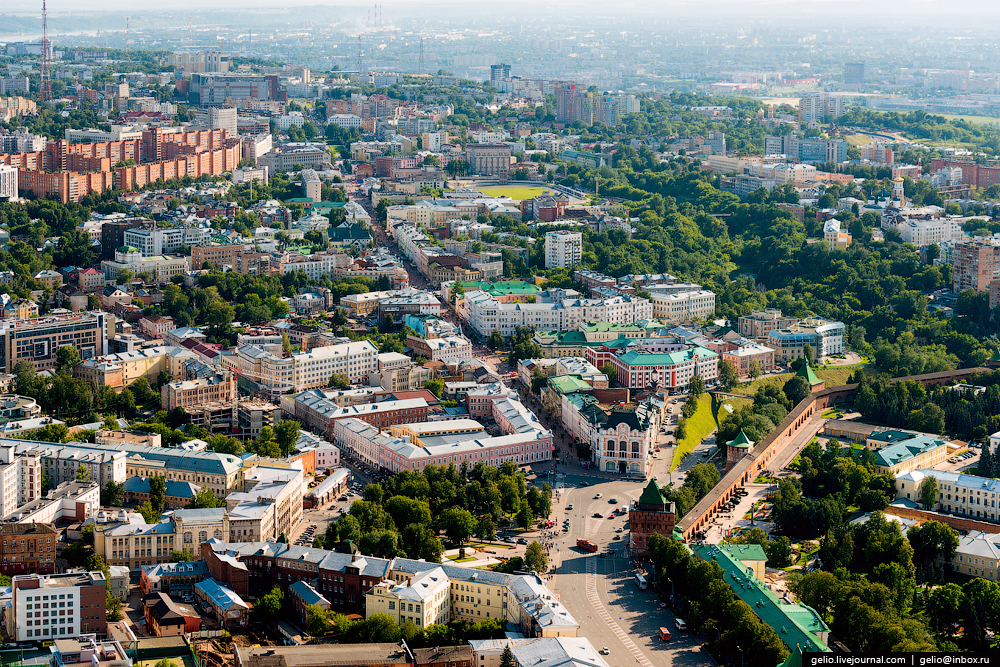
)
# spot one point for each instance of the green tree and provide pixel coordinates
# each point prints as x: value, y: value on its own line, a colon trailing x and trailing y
x: 507, y: 658
x: 727, y: 374
x: 494, y: 341
x: 796, y: 389
x: 535, y: 558
x: 809, y: 354
x: 928, y: 492
x: 82, y: 473
x: 270, y: 604
x: 157, y: 490
x: 67, y: 358
x: 287, y: 434
x: 697, y: 386
x: 149, y: 513
x: 113, y: 494
x: 339, y: 381
x: 204, y: 499
x: 435, y: 386
x: 986, y: 468
x: 754, y: 370
x: 184, y: 556
x: 458, y: 524
x: 943, y: 604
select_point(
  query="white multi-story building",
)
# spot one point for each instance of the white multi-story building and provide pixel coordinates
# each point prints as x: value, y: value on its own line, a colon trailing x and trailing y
x: 153, y: 242
x: 622, y: 442
x: 8, y: 182
x: 825, y: 336
x: 563, y: 248
x: 315, y: 266
x: 57, y: 606
x: 815, y: 106
x: 670, y: 306
x: 923, y: 233
x: 223, y: 118
x: 286, y: 121
x: 484, y: 313
x: 271, y: 501
x: 357, y: 360
x: 257, y: 145
x: 347, y: 120
x: 964, y: 495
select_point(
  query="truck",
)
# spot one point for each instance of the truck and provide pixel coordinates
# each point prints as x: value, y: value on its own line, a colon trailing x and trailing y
x: 586, y: 545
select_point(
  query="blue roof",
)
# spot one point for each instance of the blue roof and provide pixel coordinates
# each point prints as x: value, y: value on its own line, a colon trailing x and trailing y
x: 173, y: 488
x: 221, y: 596
x: 307, y: 593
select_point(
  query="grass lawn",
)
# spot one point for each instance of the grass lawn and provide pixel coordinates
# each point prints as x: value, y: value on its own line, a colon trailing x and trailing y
x: 484, y: 545
x: 514, y: 192
x: 834, y: 376
x: 702, y: 423
x: 183, y: 661
x: 463, y: 560
x: 858, y: 139
x: 977, y: 120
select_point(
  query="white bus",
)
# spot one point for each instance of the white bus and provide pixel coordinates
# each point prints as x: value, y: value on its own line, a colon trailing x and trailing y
x: 640, y: 581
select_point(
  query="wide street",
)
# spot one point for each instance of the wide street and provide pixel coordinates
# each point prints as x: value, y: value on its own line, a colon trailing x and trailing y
x: 601, y: 593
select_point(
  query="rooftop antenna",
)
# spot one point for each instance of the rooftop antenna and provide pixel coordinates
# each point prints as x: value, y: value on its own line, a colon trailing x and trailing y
x: 420, y: 64
x: 359, y: 57
x: 46, y: 88
x: 128, y: 42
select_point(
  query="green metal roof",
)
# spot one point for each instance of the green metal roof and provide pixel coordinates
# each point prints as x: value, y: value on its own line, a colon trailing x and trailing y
x: 652, y: 495
x: 893, y: 455
x: 669, y: 359
x: 567, y: 384
x: 806, y: 372
x: 795, y: 624
x: 742, y: 441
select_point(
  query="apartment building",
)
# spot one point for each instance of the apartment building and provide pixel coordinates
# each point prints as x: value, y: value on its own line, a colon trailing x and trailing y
x: 818, y: 106
x: 670, y: 306
x: 219, y: 388
x: 124, y: 368
x: 28, y: 547
x: 39, y: 340
x: 160, y: 240
x: 48, y: 607
x: 8, y: 183
x: 563, y: 249
x: 318, y: 412
x: 357, y: 360
x: 423, y: 599
x: 489, y: 160
x: 285, y: 159
x: 975, y: 264
x: 759, y: 323
x: 270, y: 503
x: 484, y: 312
x: 826, y: 337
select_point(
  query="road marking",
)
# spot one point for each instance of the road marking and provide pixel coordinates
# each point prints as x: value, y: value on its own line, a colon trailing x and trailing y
x: 595, y: 600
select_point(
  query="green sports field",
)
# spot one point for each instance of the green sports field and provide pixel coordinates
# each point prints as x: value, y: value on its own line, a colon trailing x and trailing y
x: 514, y: 193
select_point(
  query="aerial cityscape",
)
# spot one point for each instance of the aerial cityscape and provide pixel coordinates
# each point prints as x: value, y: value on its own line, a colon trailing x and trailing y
x: 455, y: 335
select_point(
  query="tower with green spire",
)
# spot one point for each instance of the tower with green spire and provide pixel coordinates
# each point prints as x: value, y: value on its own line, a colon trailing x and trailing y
x: 652, y: 513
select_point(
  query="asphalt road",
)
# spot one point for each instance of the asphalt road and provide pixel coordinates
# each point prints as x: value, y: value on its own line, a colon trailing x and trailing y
x: 601, y: 593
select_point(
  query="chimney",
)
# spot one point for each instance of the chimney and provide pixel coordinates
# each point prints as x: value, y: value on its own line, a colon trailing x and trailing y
x: 354, y: 556
x: 409, y: 581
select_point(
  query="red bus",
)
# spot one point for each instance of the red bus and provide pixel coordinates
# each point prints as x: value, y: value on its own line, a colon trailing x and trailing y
x: 586, y: 545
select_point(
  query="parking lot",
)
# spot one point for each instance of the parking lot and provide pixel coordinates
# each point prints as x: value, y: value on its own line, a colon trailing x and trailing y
x: 967, y: 461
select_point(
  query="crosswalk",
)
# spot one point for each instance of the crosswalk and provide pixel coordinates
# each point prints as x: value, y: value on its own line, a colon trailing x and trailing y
x: 595, y: 600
